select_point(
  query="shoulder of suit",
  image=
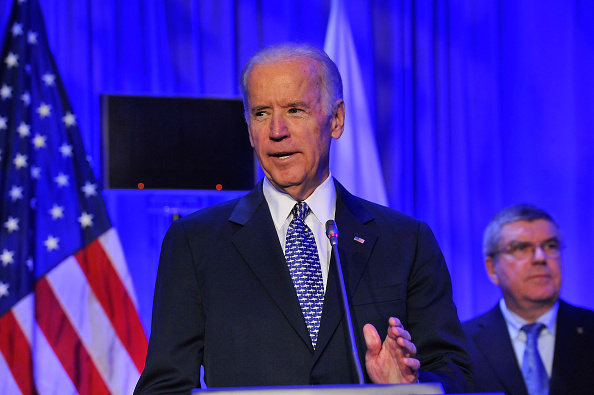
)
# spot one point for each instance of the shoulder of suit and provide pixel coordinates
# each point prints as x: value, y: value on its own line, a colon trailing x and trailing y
x: 482, y: 319
x: 582, y: 313
x: 366, y: 210
x: 386, y: 213
x: 216, y: 212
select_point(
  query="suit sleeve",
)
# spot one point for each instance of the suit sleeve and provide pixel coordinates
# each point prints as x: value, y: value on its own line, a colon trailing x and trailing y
x: 177, y: 332
x: 432, y: 319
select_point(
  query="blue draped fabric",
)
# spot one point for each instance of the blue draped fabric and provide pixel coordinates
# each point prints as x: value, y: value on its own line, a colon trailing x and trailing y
x: 476, y: 104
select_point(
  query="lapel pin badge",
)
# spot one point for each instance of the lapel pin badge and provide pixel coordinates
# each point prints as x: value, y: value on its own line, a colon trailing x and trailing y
x: 580, y: 330
x: 359, y: 240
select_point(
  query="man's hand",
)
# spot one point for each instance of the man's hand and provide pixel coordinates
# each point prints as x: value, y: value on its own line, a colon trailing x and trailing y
x: 393, y: 361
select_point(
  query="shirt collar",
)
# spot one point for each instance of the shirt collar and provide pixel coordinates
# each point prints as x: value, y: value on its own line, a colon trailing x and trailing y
x: 322, y: 202
x: 515, y: 322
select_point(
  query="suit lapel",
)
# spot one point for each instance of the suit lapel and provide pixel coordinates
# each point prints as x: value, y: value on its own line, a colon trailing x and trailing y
x: 351, y: 217
x: 498, y: 351
x: 257, y: 242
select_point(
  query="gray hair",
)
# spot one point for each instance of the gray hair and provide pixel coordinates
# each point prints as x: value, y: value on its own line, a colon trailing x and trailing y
x: 331, y: 80
x: 517, y: 212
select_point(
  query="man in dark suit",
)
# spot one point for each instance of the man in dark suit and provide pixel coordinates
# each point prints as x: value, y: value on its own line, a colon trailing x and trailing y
x: 522, y: 247
x: 227, y: 297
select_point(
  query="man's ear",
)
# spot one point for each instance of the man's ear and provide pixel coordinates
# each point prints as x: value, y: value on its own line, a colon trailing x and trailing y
x: 250, y: 134
x: 490, y: 265
x: 337, y: 122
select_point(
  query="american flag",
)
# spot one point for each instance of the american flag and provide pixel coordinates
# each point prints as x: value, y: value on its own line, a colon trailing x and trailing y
x: 68, y: 317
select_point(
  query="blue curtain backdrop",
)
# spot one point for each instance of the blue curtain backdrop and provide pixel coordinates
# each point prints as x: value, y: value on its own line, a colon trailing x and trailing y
x: 476, y: 104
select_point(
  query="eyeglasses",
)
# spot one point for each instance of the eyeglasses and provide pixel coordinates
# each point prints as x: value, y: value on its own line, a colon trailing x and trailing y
x: 524, y: 249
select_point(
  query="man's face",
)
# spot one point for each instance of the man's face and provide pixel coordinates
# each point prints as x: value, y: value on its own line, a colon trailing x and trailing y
x: 531, y: 283
x: 288, y: 127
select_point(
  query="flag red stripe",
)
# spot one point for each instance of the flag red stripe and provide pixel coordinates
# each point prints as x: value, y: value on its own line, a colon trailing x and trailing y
x: 65, y: 342
x: 17, y: 353
x: 116, y: 301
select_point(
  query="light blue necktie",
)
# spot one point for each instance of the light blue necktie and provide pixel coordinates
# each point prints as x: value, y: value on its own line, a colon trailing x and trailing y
x: 533, y: 370
x: 304, y: 264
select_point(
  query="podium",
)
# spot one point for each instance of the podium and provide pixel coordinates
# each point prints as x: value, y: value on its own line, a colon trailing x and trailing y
x: 346, y: 389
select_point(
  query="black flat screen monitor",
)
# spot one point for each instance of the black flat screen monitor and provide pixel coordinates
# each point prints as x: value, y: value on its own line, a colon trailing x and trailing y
x: 175, y: 143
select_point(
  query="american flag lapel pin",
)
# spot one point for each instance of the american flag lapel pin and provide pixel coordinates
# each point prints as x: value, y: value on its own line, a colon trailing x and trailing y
x: 359, y: 239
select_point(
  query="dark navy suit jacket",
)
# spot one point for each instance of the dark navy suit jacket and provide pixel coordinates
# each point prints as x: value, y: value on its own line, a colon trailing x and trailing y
x: 496, y: 368
x: 224, y: 299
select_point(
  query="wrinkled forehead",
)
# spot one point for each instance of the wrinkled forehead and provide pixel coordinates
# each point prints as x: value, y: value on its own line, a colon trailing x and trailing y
x: 284, y: 78
x: 295, y: 67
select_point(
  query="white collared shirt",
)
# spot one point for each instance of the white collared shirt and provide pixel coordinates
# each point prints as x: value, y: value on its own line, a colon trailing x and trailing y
x: 546, y: 338
x: 322, y: 203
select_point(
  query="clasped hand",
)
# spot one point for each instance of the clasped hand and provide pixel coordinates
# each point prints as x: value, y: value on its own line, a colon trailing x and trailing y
x: 392, y: 361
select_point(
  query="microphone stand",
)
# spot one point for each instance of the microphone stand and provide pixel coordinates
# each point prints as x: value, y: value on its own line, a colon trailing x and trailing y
x: 332, y: 233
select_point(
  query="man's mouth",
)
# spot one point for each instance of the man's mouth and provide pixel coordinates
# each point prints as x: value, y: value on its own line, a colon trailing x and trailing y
x: 540, y: 276
x: 282, y: 155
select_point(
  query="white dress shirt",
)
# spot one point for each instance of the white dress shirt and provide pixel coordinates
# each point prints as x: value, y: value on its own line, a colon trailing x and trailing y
x: 546, y: 337
x: 322, y: 203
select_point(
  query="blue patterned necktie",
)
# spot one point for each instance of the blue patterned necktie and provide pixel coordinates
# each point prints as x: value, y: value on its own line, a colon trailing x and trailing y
x: 304, y: 264
x: 533, y: 370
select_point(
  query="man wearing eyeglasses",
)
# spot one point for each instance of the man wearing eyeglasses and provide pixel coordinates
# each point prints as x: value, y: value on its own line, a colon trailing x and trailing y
x: 531, y: 342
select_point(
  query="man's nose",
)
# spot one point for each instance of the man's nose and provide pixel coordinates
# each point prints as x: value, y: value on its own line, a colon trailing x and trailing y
x: 278, y: 127
x: 539, y: 254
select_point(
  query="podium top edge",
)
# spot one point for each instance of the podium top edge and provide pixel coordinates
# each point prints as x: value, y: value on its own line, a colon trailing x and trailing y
x: 346, y: 389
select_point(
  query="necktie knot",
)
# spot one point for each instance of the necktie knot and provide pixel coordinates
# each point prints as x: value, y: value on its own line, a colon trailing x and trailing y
x: 300, y: 210
x: 532, y: 331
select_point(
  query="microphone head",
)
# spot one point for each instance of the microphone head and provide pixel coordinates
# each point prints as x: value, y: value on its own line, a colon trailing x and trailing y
x: 332, y: 231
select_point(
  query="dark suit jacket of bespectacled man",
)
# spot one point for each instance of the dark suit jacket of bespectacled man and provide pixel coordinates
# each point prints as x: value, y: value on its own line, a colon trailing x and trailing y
x: 224, y: 296
x: 522, y: 247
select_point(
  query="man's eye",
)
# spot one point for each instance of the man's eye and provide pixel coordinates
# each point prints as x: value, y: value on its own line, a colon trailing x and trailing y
x: 551, y: 245
x: 294, y: 110
x: 519, y: 247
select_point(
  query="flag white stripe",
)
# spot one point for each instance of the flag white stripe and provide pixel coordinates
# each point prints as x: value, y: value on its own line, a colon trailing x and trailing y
x: 93, y: 327
x: 50, y: 376
x: 24, y: 314
x: 7, y: 383
x: 110, y: 241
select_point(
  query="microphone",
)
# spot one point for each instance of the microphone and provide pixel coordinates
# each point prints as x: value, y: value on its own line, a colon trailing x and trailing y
x: 332, y: 233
